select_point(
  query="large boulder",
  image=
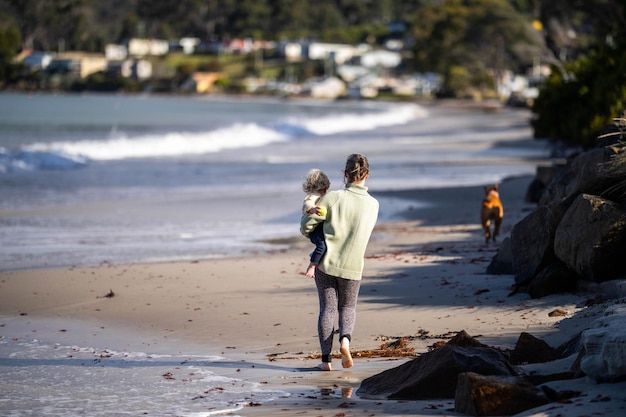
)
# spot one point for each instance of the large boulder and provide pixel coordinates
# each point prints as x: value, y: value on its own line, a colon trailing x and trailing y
x: 502, y: 262
x: 591, y: 237
x: 544, y: 175
x: 480, y: 395
x: 605, y: 346
x: 581, y: 174
x: 555, y: 278
x: 529, y: 349
x: 531, y: 241
x: 434, y: 374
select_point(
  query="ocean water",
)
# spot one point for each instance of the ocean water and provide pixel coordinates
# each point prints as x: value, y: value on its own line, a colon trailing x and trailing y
x: 112, y: 179
x: 92, y: 179
x: 40, y: 378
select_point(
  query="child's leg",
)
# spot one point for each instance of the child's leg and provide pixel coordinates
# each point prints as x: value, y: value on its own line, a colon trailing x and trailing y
x: 317, y: 238
x: 310, y: 271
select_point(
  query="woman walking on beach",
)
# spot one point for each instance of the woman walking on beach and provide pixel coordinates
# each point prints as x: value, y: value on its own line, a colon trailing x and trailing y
x: 351, y: 215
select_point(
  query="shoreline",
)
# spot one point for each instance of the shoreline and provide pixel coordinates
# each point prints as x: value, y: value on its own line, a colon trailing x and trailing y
x: 118, y: 210
x: 424, y: 278
x: 424, y: 205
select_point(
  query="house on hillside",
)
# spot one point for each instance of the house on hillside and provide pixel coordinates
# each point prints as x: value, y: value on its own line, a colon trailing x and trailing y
x: 139, y: 69
x: 291, y: 51
x: 294, y: 51
x: 36, y: 60
x: 339, y: 53
x: 189, y: 45
x: 115, y: 52
x: 147, y: 47
x: 80, y: 64
x: 200, y: 82
x: 380, y: 59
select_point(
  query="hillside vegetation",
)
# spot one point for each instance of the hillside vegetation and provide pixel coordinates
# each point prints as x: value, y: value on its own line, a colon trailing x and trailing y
x: 467, y: 42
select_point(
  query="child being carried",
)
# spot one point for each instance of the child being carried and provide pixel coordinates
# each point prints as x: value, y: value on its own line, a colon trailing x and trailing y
x: 315, y: 186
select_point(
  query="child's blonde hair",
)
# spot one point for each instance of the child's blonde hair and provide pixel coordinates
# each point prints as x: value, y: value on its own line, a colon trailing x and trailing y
x: 316, y: 181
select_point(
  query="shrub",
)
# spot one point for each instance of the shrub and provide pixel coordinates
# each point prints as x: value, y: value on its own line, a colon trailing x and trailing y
x: 580, y: 99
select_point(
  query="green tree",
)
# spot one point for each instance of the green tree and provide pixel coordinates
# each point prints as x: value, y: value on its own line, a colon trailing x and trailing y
x: 292, y: 19
x: 575, y: 104
x: 172, y: 18
x: 251, y: 18
x: 9, y: 45
x: 483, y: 36
x: 583, y: 96
x: 44, y: 23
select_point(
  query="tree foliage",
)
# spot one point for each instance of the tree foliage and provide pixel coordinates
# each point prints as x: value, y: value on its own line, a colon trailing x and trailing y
x: 478, y: 35
x: 44, y: 22
x: 9, y: 41
x: 581, y: 97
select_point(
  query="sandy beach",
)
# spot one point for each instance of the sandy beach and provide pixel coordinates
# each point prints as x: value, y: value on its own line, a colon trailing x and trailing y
x: 424, y: 279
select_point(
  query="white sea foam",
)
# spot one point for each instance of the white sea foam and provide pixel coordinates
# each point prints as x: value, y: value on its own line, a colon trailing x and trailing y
x: 167, y: 144
x: 359, y: 122
x: 75, y: 154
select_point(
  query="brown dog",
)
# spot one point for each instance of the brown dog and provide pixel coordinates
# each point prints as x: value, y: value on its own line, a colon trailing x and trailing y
x: 491, y: 210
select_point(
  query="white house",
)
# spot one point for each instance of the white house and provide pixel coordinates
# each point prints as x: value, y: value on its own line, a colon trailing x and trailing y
x: 144, y: 47
x: 340, y: 53
x: 292, y: 51
x: 385, y: 59
x: 189, y: 44
x: 114, y: 52
x: 139, y: 69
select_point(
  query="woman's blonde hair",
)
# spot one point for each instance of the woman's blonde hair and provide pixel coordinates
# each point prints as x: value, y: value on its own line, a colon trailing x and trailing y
x: 316, y: 181
x: 357, y: 168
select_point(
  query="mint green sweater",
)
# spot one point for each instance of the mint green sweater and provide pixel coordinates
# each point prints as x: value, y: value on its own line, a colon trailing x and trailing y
x: 351, y: 215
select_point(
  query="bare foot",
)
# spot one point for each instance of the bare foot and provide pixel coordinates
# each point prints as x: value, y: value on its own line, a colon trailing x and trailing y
x: 310, y: 272
x: 346, y: 357
x: 325, y: 366
x: 346, y: 392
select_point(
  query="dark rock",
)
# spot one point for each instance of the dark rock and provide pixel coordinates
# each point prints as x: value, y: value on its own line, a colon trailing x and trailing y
x: 529, y: 349
x: 582, y: 174
x: 480, y: 395
x: 575, y: 368
x: 570, y: 347
x: 463, y: 339
x: 531, y: 241
x: 555, y: 191
x: 502, y: 262
x: 434, y: 374
x: 604, y: 359
x: 538, y: 379
x: 591, y: 238
x: 535, y: 191
x: 545, y: 174
x: 560, y: 396
x: 555, y: 278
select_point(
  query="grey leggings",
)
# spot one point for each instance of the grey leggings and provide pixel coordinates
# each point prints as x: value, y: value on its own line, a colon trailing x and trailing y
x: 337, y: 295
